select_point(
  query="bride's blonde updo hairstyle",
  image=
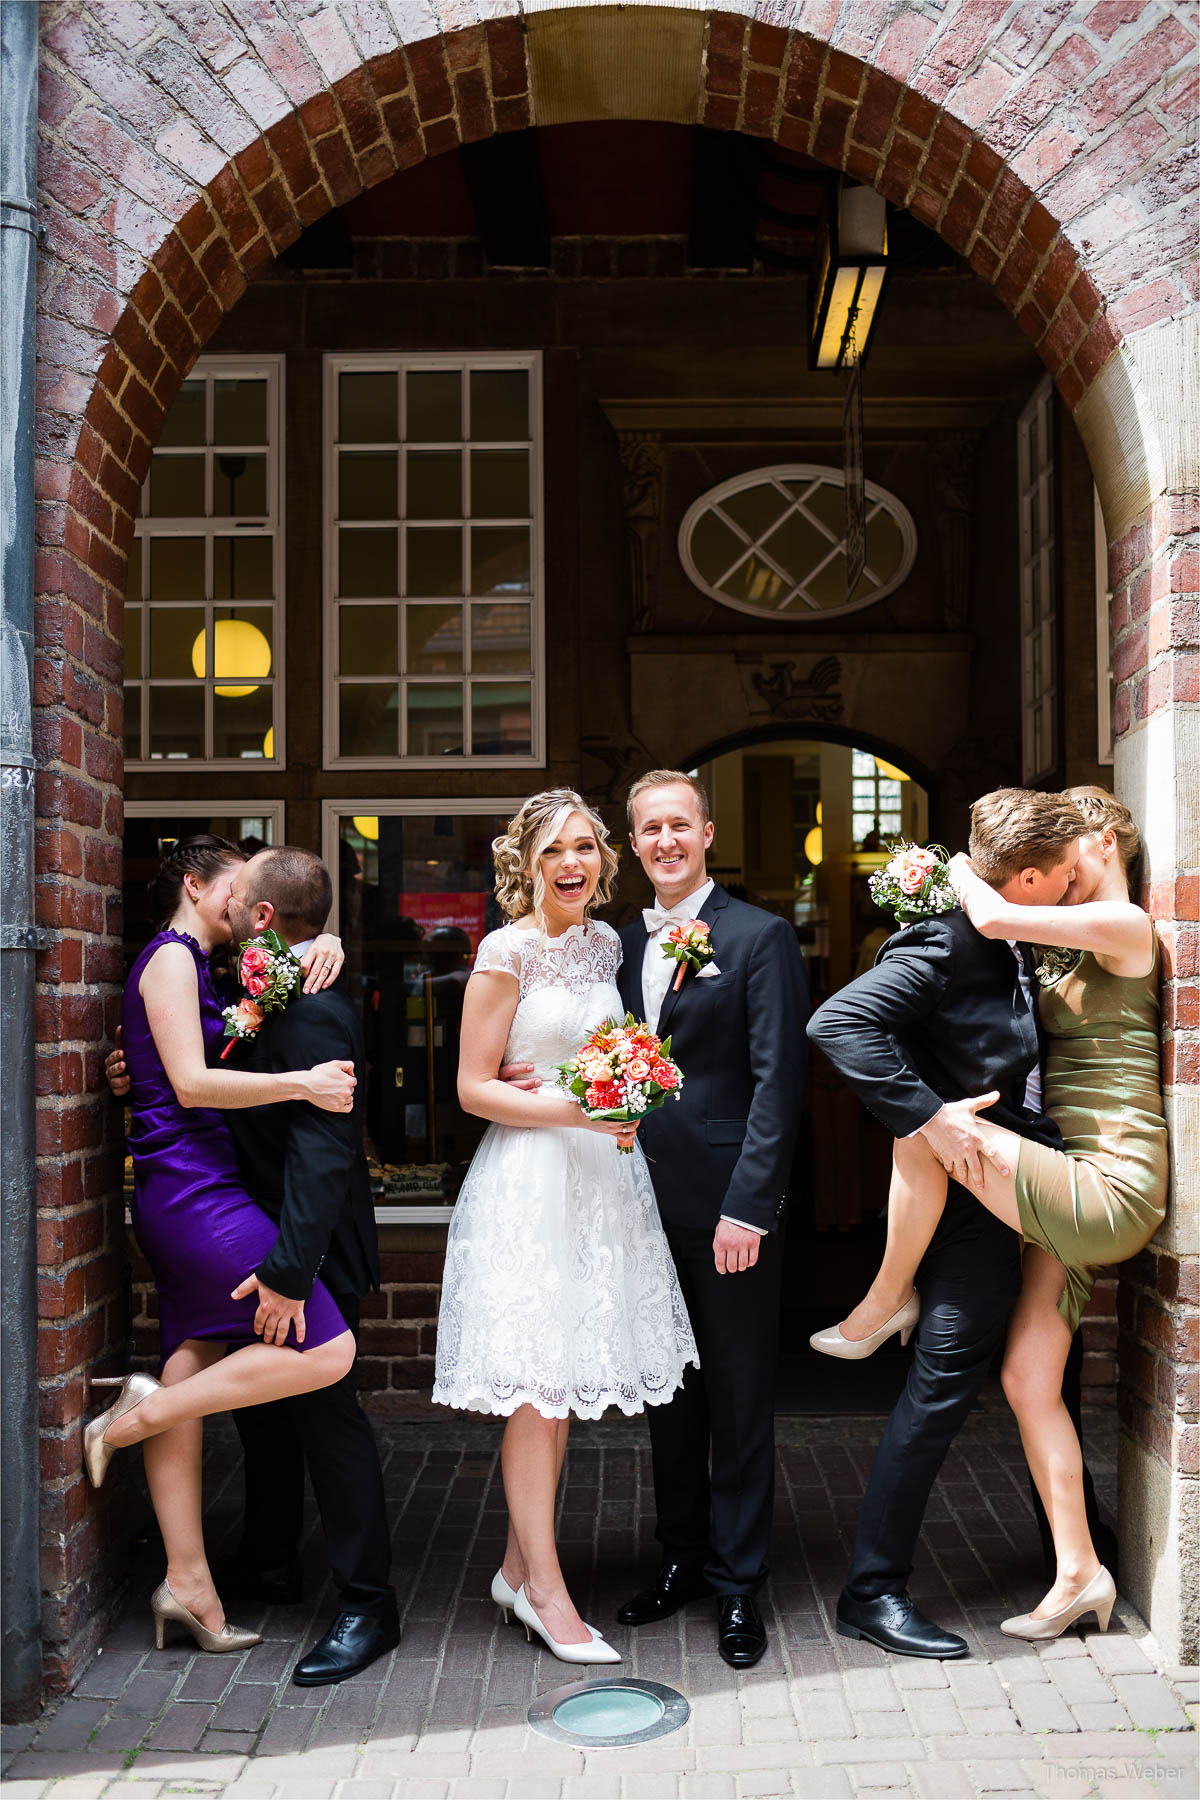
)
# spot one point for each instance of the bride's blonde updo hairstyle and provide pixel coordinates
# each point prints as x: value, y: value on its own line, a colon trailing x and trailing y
x: 517, y: 853
x: 1104, y: 812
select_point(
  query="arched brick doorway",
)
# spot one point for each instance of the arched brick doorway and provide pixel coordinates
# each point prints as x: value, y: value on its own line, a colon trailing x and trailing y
x: 256, y: 136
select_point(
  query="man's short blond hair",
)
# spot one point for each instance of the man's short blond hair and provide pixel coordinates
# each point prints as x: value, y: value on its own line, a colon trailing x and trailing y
x: 668, y: 778
x: 1019, y: 828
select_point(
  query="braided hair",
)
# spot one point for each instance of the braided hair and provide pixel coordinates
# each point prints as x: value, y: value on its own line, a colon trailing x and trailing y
x: 203, y: 856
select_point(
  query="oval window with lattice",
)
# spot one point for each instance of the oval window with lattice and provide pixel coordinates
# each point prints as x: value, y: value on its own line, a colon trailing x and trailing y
x: 773, y: 542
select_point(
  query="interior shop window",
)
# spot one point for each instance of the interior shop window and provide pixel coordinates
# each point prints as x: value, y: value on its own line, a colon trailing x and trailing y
x: 433, y: 573
x: 1039, y: 593
x: 204, y: 599
x: 151, y: 830
x: 414, y: 897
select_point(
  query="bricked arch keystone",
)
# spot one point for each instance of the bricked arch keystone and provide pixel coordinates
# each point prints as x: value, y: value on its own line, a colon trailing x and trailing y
x: 186, y: 143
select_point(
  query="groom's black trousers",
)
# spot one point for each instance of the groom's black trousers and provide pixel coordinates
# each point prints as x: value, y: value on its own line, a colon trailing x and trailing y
x: 329, y: 1432
x: 713, y: 1444
x: 968, y: 1283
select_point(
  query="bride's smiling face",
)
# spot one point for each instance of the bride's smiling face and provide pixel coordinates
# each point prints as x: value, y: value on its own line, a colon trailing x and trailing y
x: 570, y: 867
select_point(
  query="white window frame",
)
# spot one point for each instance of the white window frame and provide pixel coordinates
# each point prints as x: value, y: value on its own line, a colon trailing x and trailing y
x: 213, y: 368
x: 1105, y: 695
x: 395, y: 364
x: 878, y: 500
x: 331, y: 812
x: 1039, y: 647
x: 276, y: 810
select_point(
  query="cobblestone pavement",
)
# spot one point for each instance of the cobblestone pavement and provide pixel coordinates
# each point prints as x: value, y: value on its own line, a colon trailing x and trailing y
x: 443, y: 1718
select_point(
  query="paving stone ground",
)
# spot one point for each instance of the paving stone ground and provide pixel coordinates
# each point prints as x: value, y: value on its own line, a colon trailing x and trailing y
x: 444, y: 1717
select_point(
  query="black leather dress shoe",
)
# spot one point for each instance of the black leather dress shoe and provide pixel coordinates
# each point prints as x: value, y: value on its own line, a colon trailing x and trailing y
x: 238, y: 1579
x: 895, y: 1623
x: 672, y: 1588
x: 351, y: 1644
x: 741, y: 1634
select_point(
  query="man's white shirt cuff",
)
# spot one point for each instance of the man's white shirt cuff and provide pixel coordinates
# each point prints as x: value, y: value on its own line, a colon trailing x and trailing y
x: 729, y: 1220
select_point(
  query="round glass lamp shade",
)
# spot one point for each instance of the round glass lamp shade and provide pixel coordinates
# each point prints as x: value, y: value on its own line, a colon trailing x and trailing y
x: 242, y: 653
x: 367, y: 826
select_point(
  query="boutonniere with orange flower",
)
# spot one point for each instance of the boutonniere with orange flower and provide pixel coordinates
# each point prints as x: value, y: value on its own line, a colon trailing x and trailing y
x: 688, y: 945
x: 269, y: 973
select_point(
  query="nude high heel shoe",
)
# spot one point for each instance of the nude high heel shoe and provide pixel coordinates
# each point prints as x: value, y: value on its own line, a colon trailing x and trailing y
x: 832, y: 1343
x: 595, y: 1652
x: 134, y: 1389
x: 230, y: 1638
x: 1099, y: 1596
x: 504, y: 1596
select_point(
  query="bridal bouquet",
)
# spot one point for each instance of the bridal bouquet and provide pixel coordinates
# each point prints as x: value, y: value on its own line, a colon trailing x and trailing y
x: 269, y: 972
x: 915, y: 883
x: 621, y: 1072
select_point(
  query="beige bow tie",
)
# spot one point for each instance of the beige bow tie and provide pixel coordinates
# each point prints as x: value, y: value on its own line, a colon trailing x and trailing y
x: 655, y: 918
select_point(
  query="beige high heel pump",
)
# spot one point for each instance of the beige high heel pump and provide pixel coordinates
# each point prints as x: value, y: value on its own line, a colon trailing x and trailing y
x: 1099, y: 1596
x: 134, y: 1389
x: 831, y: 1342
x: 230, y: 1638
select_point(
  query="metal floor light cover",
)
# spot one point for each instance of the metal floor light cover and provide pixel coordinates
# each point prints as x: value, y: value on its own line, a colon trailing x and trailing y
x: 605, y: 1714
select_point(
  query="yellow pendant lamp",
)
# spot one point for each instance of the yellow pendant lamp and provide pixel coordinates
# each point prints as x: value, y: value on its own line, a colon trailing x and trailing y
x: 241, y: 652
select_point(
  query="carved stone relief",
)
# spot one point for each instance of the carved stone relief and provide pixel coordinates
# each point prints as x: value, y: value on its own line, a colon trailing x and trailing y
x: 952, y: 461
x: 642, y: 464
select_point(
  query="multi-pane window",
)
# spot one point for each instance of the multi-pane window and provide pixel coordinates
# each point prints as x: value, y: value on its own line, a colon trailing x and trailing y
x: 876, y: 802
x: 433, y: 560
x: 204, y: 600
x: 1039, y: 599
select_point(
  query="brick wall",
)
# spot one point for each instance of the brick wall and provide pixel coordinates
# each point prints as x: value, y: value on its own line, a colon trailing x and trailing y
x: 183, y: 147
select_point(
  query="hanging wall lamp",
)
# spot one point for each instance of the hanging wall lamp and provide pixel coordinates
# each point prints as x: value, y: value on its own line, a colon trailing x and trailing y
x: 849, y: 274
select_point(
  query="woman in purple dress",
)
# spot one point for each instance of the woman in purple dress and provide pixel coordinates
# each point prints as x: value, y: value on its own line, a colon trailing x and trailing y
x: 201, y: 1232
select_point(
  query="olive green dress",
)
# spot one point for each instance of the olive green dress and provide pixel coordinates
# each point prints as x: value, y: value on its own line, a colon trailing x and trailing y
x: 1102, y: 1197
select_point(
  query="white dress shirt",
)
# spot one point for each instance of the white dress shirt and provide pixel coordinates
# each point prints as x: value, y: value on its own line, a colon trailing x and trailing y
x: 659, y: 971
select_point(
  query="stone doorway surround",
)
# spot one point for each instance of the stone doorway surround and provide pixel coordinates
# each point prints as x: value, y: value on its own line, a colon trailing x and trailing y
x: 185, y: 146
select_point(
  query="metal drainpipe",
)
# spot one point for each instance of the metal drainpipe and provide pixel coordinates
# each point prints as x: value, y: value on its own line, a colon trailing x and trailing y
x: 20, y: 1583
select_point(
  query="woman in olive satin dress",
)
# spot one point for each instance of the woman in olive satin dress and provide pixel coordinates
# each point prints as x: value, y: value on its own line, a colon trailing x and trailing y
x: 1094, y: 1203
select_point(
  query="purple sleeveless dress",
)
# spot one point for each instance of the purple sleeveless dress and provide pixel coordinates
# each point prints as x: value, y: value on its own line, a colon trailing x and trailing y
x: 200, y: 1231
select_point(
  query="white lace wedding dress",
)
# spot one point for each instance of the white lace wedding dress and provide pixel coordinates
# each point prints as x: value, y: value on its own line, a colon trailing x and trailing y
x: 559, y: 1287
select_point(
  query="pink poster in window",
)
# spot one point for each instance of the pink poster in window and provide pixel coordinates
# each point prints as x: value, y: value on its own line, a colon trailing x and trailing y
x: 466, y: 912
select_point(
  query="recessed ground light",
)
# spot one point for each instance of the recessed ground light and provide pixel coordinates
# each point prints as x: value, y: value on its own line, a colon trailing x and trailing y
x: 596, y: 1714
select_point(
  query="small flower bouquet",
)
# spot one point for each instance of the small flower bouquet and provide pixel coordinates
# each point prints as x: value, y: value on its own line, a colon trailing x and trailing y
x: 915, y: 883
x: 622, y: 1072
x: 269, y: 973
x: 688, y: 945
x: 1054, y: 963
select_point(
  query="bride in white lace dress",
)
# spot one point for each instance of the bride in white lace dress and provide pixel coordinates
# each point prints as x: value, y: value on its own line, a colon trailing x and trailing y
x: 559, y: 1295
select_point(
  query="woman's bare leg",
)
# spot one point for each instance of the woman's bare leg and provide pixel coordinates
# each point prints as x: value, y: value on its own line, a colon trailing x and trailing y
x: 916, y: 1200
x: 1038, y: 1341
x: 251, y: 1376
x: 513, y: 1566
x: 531, y: 1458
x: 173, y: 1461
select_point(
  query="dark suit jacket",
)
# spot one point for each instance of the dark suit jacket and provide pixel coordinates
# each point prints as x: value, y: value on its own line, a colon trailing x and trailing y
x: 305, y: 1167
x: 941, y: 1016
x: 725, y: 1146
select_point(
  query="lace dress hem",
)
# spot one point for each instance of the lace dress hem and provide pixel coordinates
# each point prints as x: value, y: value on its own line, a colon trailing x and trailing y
x: 474, y: 1400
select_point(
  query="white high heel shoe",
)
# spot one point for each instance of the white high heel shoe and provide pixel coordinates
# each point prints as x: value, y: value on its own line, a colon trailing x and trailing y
x: 1099, y: 1596
x: 832, y: 1343
x: 504, y: 1596
x: 595, y: 1652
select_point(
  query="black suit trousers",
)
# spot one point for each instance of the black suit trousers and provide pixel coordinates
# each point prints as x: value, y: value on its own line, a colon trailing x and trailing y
x: 328, y: 1431
x: 713, y: 1444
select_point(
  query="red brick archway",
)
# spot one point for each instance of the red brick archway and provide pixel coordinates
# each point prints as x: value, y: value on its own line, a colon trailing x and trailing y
x: 151, y: 247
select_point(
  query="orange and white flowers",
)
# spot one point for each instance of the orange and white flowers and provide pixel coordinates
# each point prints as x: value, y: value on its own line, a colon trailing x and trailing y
x: 915, y: 884
x: 622, y: 1071
x: 269, y: 973
x: 688, y: 945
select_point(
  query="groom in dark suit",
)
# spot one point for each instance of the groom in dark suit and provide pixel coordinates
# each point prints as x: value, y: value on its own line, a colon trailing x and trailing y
x: 720, y: 1159
x: 944, y: 1017
x: 308, y: 1170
